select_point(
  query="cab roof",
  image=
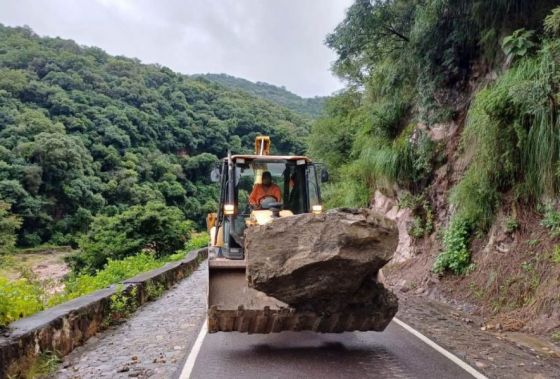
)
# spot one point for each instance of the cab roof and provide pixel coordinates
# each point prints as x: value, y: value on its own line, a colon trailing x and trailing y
x: 271, y: 157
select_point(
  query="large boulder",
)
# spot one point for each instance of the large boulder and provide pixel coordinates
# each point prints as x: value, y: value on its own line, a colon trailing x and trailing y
x: 324, y: 263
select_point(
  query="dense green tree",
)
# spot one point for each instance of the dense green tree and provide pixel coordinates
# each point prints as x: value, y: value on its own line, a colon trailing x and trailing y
x: 9, y: 224
x: 311, y: 107
x: 407, y: 63
x: 155, y: 227
x: 413, y: 65
x: 84, y: 134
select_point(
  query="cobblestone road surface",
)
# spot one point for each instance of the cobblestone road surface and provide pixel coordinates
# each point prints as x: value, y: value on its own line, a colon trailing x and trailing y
x: 151, y: 343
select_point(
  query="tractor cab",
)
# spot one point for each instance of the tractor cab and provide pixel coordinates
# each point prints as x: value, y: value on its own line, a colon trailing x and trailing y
x: 257, y: 188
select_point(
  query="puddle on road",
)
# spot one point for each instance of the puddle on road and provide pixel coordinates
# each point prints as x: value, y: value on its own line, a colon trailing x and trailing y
x: 532, y: 342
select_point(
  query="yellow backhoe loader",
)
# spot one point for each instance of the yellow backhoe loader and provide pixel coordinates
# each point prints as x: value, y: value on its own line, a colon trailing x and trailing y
x: 232, y: 305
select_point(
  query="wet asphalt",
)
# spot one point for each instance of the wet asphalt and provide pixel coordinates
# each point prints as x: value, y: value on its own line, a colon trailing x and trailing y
x: 394, y: 353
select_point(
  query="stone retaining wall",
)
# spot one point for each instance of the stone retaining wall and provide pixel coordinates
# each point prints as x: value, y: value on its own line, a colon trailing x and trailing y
x: 62, y: 328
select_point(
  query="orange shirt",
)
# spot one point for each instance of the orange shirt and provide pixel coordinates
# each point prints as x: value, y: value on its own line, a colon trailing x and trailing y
x: 259, y: 192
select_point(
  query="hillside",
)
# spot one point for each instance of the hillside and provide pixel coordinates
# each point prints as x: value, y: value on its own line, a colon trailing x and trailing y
x: 450, y: 126
x: 91, y: 139
x: 310, y: 107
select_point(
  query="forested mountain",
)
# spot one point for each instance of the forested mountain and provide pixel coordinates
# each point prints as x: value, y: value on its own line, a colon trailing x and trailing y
x: 311, y: 107
x: 452, y: 115
x: 84, y: 134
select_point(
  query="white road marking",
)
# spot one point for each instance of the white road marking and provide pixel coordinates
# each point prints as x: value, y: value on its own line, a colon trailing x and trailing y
x: 191, y: 359
x: 193, y: 355
x: 465, y: 366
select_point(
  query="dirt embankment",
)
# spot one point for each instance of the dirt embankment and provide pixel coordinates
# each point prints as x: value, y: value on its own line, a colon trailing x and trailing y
x: 514, y: 286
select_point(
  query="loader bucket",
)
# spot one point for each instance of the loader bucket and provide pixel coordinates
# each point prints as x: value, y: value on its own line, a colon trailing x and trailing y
x: 234, y: 307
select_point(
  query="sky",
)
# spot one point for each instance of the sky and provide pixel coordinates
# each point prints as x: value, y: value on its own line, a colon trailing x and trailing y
x: 275, y: 41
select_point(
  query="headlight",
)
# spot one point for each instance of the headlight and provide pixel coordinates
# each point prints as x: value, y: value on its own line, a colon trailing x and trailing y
x: 229, y: 209
x: 317, y: 209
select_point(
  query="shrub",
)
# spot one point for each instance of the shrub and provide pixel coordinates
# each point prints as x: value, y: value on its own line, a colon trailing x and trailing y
x: 551, y: 220
x: 416, y: 228
x: 154, y: 226
x: 423, y: 221
x: 31, y: 240
x: 23, y: 297
x: 18, y: 299
x: 154, y: 290
x: 9, y: 224
x: 518, y: 44
x: 45, y: 365
x: 60, y: 239
x: 512, y: 126
x: 408, y: 161
x: 114, y: 271
x: 349, y: 191
x: 455, y: 255
x: 511, y: 224
x: 197, y: 241
x: 123, y: 304
x: 552, y: 23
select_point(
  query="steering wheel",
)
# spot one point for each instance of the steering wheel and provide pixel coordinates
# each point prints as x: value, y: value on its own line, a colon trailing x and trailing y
x: 267, y: 201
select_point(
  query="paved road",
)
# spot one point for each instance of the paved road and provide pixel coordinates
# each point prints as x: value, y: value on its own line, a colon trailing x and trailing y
x: 395, y: 353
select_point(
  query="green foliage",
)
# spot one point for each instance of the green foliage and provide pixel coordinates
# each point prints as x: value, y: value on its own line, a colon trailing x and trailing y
x: 123, y: 303
x: 475, y: 199
x: 369, y: 151
x: 197, y: 241
x: 552, y: 23
x: 85, y: 134
x: 431, y: 44
x: 310, y: 107
x: 406, y: 61
x: 155, y: 226
x: 346, y: 192
x: 9, y: 224
x: 519, y: 43
x: 19, y: 298
x: 154, y: 290
x: 401, y: 56
x: 46, y: 363
x: 332, y: 135
x: 416, y: 229
x: 423, y: 218
x: 114, y: 271
x: 511, y: 225
x: 513, y: 129
x: 24, y: 297
x: 455, y: 256
x: 514, y: 126
x: 551, y: 220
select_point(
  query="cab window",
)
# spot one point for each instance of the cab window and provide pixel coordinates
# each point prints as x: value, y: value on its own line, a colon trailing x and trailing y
x: 250, y: 174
